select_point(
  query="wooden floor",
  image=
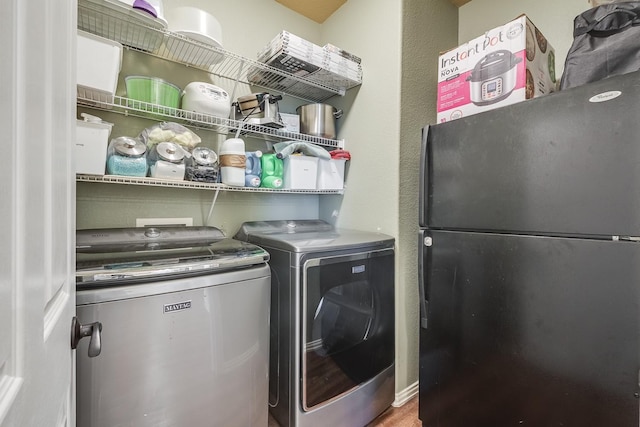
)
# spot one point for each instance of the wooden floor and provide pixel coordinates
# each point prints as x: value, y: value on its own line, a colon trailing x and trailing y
x: 404, y: 416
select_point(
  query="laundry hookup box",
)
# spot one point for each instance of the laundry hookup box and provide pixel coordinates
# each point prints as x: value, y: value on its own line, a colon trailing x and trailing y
x: 507, y: 64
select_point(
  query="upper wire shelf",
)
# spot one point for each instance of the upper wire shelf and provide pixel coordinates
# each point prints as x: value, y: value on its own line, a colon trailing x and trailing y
x: 130, y: 107
x: 140, y: 32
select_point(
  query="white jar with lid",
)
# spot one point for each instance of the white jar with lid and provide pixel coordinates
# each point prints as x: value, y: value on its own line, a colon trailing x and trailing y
x: 166, y: 161
x: 232, y: 162
x: 127, y: 156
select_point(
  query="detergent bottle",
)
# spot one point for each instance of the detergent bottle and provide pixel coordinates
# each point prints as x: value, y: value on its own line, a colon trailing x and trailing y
x: 253, y: 169
x: 272, y: 171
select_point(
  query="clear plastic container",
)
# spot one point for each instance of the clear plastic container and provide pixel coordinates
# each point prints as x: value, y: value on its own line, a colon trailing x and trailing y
x: 127, y: 156
x: 167, y: 161
x: 92, y: 139
x: 202, y: 166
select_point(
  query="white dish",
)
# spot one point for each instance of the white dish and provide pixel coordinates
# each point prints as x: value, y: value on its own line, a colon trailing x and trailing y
x: 197, y: 25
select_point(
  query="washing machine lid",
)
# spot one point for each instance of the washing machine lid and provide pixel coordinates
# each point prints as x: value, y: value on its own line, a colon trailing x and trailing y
x: 309, y: 236
x: 107, y: 257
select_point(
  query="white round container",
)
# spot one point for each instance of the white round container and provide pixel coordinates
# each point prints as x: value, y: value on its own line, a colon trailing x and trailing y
x: 198, y: 25
x: 232, y: 161
x: 201, y: 97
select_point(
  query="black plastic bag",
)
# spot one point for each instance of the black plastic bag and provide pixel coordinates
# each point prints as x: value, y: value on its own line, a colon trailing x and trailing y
x: 606, y: 42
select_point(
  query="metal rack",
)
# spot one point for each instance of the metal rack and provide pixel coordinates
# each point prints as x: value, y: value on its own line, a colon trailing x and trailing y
x: 137, y: 31
x: 156, y: 182
x: 130, y: 107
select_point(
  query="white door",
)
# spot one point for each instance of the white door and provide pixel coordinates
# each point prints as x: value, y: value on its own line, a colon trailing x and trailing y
x: 37, y: 211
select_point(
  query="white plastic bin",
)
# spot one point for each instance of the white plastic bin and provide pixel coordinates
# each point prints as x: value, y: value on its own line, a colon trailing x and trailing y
x: 331, y: 174
x: 92, y: 139
x: 300, y: 172
x: 99, y: 63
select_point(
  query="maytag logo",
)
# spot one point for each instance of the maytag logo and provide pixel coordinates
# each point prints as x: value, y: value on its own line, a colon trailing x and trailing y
x: 168, y: 308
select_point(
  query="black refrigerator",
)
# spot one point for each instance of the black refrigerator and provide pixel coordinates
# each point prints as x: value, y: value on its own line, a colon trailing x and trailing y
x: 529, y: 254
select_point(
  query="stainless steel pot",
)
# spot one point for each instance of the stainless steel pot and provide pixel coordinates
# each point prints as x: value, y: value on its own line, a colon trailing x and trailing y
x: 318, y: 120
x: 493, y: 78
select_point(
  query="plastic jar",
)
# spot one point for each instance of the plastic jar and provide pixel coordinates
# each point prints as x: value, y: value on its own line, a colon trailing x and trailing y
x: 166, y: 160
x: 232, y: 162
x: 127, y: 156
x: 202, y: 166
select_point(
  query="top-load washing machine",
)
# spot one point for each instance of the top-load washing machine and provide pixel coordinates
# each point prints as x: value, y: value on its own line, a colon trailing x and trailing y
x: 183, y: 328
x: 332, y: 322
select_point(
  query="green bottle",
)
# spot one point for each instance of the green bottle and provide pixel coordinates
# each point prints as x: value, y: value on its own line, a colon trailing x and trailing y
x: 272, y: 171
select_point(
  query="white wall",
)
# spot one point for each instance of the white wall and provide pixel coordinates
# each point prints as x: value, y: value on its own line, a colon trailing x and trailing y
x: 552, y: 17
x: 370, y: 29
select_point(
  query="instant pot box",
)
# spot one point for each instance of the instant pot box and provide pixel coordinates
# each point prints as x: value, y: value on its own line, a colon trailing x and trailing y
x: 506, y: 65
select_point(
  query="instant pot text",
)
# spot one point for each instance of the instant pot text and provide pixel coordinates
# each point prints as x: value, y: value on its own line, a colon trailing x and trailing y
x: 449, y: 63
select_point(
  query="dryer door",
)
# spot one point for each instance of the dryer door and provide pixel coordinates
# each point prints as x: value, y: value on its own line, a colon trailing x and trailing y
x: 348, y: 323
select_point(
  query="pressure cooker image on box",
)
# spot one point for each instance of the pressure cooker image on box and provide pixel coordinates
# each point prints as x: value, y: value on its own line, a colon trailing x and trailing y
x: 493, y: 78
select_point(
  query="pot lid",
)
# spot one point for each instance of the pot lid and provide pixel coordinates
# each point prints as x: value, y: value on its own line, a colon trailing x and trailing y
x: 170, y: 151
x: 204, y: 156
x: 130, y: 147
x: 493, y: 64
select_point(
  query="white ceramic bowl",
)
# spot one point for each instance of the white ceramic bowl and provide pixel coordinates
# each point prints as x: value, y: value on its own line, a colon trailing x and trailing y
x: 196, y: 24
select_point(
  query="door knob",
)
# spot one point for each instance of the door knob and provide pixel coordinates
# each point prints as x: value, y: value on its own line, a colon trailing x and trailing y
x: 79, y: 331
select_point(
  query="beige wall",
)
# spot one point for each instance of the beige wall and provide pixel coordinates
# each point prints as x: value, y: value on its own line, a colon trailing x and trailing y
x: 552, y: 17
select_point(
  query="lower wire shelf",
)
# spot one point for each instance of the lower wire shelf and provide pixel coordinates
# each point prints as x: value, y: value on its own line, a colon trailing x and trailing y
x: 157, y: 182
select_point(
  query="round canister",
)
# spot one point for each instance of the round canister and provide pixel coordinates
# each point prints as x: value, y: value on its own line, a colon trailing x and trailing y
x: 127, y: 156
x: 166, y: 160
x: 205, y: 98
x: 202, y: 166
x: 232, y: 162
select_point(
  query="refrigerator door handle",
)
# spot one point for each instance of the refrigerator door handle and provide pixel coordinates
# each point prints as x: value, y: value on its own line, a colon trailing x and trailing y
x: 426, y: 242
x: 424, y: 178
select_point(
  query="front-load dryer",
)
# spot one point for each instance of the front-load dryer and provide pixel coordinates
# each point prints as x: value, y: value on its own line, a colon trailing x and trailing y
x: 332, y: 322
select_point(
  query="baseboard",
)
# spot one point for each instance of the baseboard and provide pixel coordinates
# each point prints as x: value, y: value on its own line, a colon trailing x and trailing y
x: 405, y: 395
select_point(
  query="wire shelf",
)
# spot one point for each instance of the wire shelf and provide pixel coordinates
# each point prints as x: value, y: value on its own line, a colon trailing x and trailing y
x: 156, y: 182
x: 130, y: 107
x: 135, y: 30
